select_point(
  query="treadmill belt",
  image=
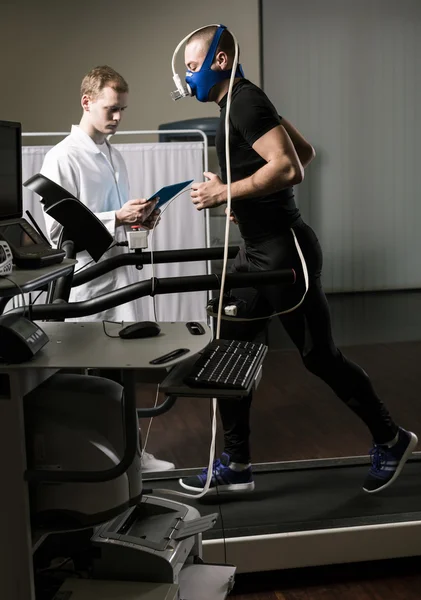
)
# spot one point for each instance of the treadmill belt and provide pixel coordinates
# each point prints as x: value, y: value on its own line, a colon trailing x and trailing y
x: 305, y: 500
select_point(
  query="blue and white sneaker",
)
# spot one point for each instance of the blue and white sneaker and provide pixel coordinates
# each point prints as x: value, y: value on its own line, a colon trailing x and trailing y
x: 387, y: 463
x: 223, y: 479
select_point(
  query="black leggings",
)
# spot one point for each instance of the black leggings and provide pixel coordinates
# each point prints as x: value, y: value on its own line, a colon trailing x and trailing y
x: 308, y: 326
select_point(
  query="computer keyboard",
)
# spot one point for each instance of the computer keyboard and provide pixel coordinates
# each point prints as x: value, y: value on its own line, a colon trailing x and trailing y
x: 227, y: 364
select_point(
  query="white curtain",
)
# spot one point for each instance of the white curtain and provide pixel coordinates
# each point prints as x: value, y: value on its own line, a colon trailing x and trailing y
x: 32, y: 159
x: 150, y: 167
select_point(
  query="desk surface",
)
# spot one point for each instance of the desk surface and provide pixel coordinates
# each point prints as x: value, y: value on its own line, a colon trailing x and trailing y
x: 85, y: 345
x: 33, y: 279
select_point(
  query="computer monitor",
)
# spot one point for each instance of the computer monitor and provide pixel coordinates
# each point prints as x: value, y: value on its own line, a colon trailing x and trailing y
x: 10, y: 170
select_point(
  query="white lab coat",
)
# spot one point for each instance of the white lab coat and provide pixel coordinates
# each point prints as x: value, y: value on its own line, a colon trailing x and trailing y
x: 78, y: 165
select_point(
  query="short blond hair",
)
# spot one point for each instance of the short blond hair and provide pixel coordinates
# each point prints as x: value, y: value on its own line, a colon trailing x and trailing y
x: 100, y: 77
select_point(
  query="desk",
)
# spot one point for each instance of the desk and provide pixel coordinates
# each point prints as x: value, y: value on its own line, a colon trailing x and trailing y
x: 72, y: 345
x: 33, y: 279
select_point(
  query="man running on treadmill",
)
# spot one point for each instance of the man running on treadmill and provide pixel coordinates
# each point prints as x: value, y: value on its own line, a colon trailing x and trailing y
x: 268, y: 157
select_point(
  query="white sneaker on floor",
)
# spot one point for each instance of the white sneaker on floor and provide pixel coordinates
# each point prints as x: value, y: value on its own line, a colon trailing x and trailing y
x: 150, y: 463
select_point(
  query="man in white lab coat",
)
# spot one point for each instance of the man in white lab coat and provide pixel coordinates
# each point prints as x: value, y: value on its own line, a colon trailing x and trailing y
x: 85, y: 164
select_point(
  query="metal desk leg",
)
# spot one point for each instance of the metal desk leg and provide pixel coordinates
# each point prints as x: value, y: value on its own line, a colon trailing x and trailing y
x: 3, y: 303
x: 16, y: 574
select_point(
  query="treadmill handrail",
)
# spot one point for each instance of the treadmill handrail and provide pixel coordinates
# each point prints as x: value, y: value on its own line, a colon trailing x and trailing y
x: 168, y: 285
x: 145, y: 258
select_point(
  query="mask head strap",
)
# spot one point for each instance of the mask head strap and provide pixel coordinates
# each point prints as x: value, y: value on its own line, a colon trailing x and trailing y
x: 212, y: 49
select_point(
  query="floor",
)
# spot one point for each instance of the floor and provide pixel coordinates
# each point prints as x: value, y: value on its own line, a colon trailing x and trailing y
x: 294, y: 415
x: 386, y: 580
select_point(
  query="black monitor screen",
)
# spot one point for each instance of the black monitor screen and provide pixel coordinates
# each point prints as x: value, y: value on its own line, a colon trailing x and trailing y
x: 16, y: 235
x: 10, y: 170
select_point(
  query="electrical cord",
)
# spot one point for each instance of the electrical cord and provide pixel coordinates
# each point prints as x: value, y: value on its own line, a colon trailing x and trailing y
x: 152, y: 250
x: 116, y: 323
x: 144, y: 444
x: 222, y: 280
x: 219, y: 502
x: 210, y: 473
x: 84, y: 266
x: 282, y: 312
x: 113, y: 245
x: 21, y: 293
x: 36, y: 298
x: 121, y: 323
x: 55, y: 567
x: 224, y: 268
x: 226, y: 239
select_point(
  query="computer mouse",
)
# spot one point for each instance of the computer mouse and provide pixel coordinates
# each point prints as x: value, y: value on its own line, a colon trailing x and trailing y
x: 142, y: 329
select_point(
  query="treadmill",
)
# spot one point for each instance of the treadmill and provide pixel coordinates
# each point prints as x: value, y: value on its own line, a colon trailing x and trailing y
x: 310, y: 513
x: 302, y: 513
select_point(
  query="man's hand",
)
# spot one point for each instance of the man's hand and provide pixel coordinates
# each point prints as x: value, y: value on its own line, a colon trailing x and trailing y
x: 232, y: 217
x: 153, y: 219
x: 135, y: 212
x: 208, y: 193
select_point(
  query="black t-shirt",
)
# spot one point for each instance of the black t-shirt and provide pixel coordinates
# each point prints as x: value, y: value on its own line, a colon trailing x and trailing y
x: 251, y: 116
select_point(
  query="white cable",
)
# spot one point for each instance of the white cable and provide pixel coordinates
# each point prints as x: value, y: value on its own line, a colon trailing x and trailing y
x: 150, y: 422
x: 185, y: 40
x: 210, y: 466
x: 225, y: 260
x: 214, y: 422
x: 228, y: 171
x: 228, y: 210
x: 212, y: 449
x: 22, y: 295
x: 152, y: 232
x: 287, y: 310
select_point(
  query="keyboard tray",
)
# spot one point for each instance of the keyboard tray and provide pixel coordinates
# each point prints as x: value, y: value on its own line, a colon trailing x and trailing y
x: 173, y: 384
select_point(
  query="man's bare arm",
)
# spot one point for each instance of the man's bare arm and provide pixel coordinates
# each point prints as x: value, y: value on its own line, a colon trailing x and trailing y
x: 283, y: 169
x: 305, y: 151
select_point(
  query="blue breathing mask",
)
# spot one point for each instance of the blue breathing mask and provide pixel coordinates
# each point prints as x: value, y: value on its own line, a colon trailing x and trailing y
x: 201, y: 82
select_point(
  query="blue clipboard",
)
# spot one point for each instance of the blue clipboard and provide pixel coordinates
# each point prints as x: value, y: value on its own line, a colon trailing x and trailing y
x: 168, y: 192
